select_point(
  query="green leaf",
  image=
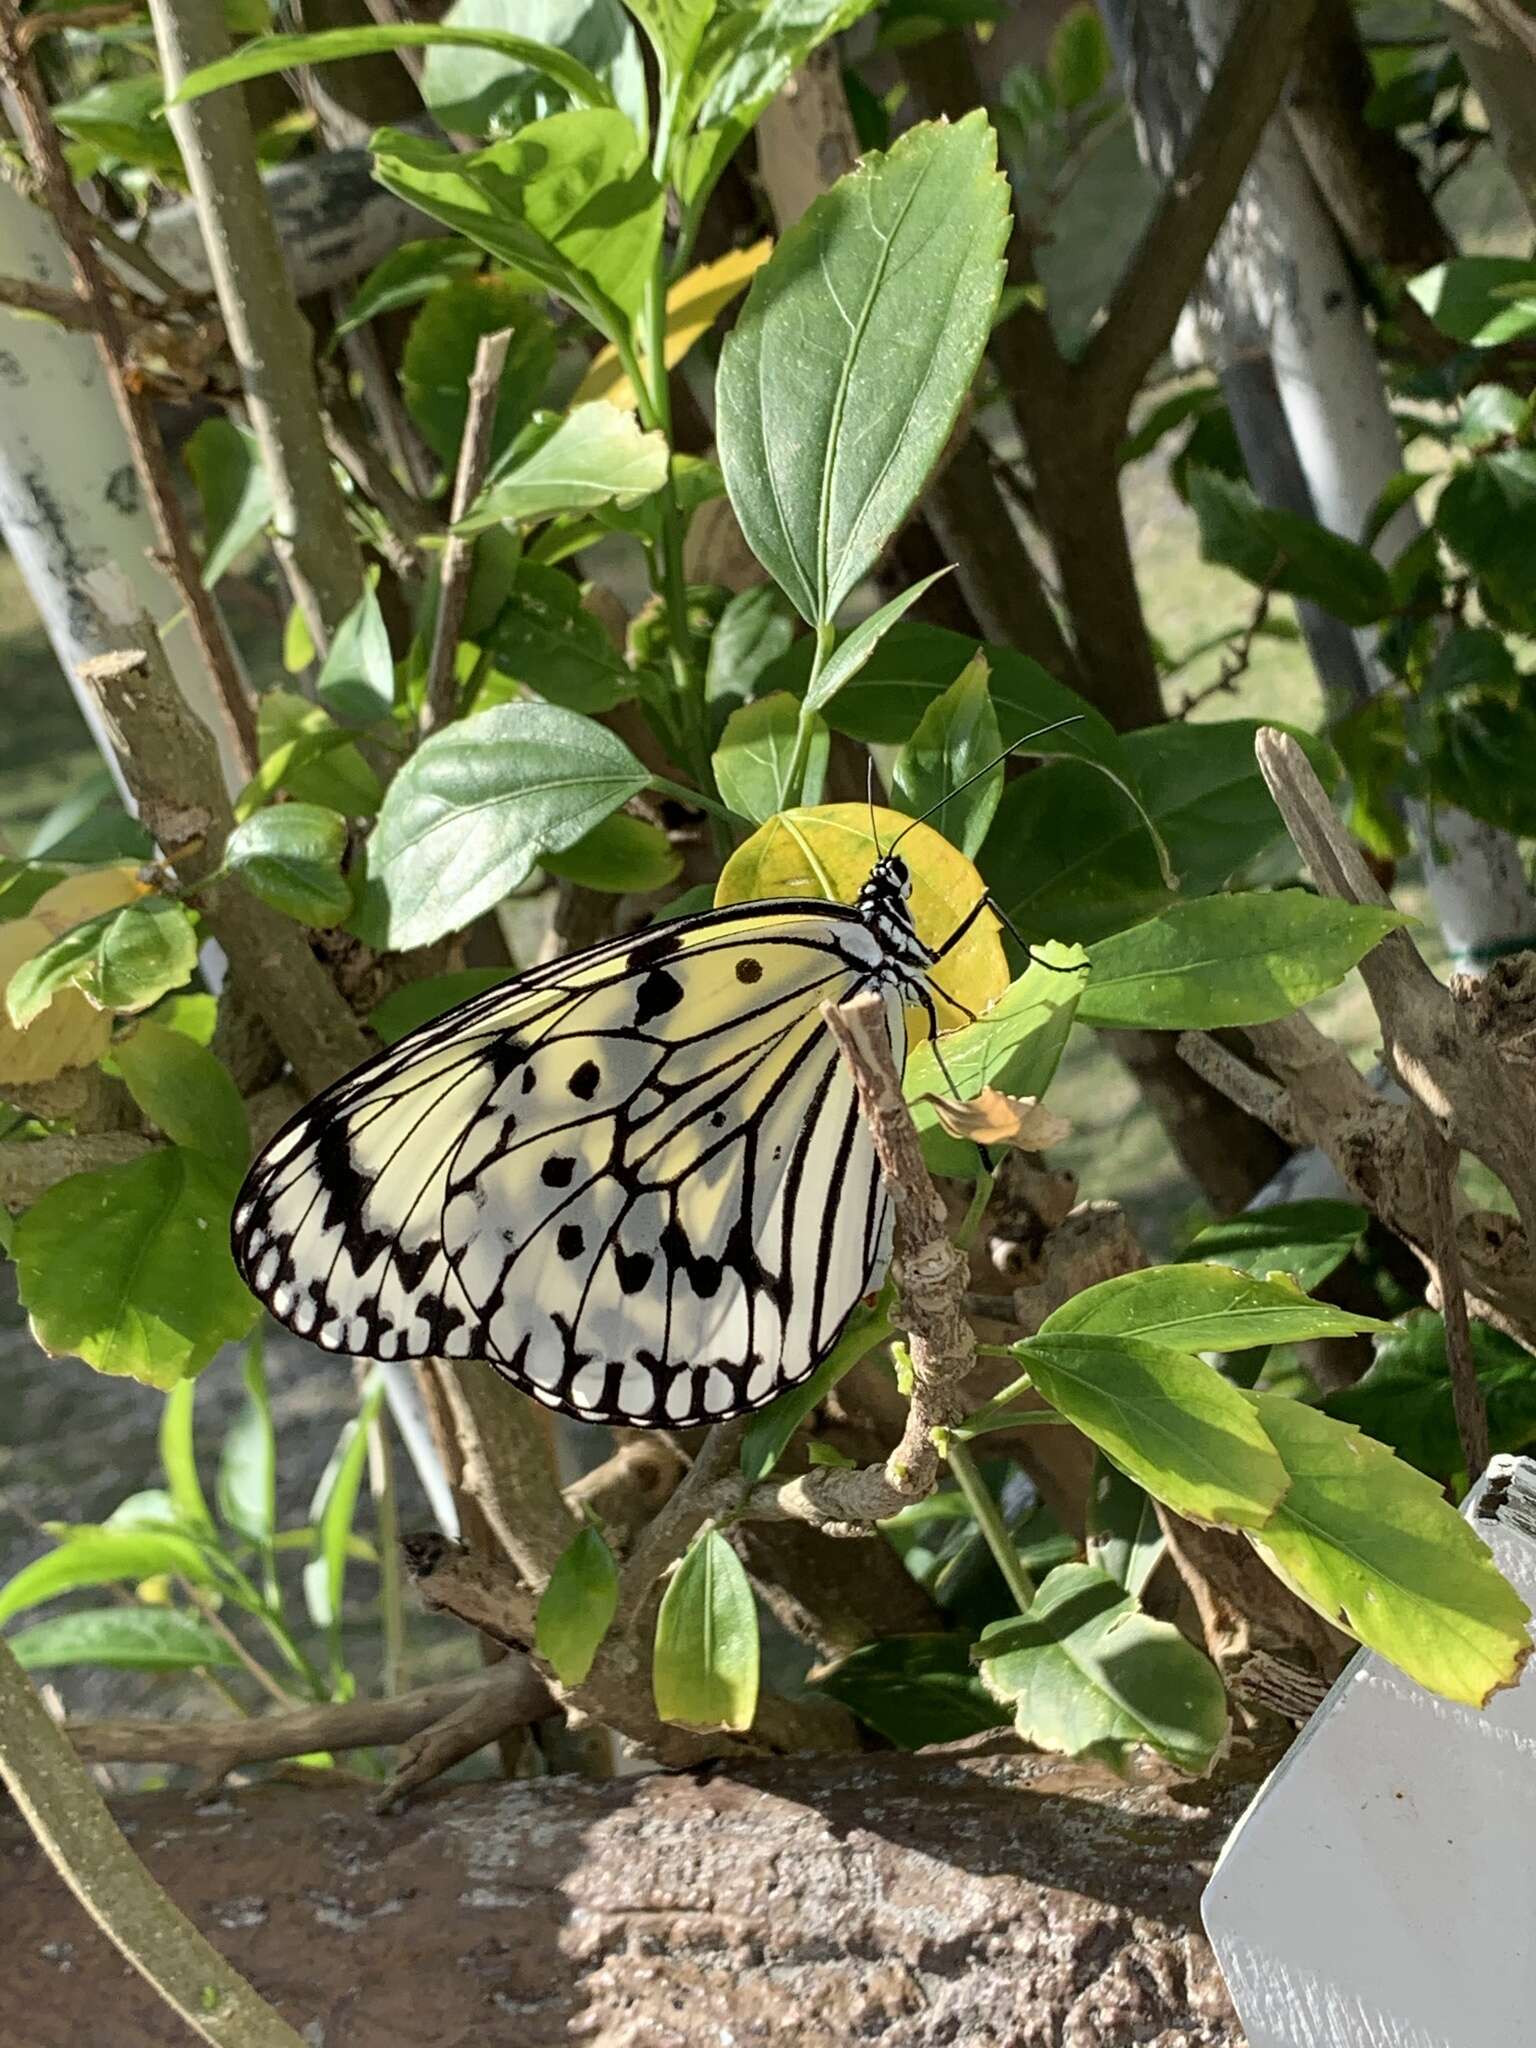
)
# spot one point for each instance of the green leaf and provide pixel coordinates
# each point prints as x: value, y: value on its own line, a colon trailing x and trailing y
x: 674, y: 29
x: 290, y: 856
x: 1377, y: 1549
x: 570, y: 199
x: 956, y: 738
x: 470, y: 814
x: 1489, y: 412
x: 857, y: 648
x: 1284, y: 551
x: 124, y: 118
x: 178, y: 1455
x: 357, y: 678
x: 1228, y: 960
x: 756, y: 627
x: 86, y: 827
x: 1476, y: 298
x: 305, y: 752
x: 596, y: 455
x: 70, y: 962
x: 483, y: 92
x: 232, y: 487
x: 1487, y: 515
x: 1405, y: 1402
x: 247, y: 1482
x: 333, y: 1508
x: 1170, y: 1422
x: 843, y: 376
x: 1125, y: 1538
x: 406, y: 276
x: 1087, y: 1675
x: 129, y: 1267
x: 1204, y: 1308
x: 1308, y: 1240
x: 747, y: 55
x: 755, y: 760
x: 420, y: 1001
x: 543, y: 639
x: 104, y: 1557
x: 184, y: 1090
x: 577, y: 1606
x: 259, y: 59
x: 625, y: 856
x: 145, y: 950
x: 1015, y: 1046
x: 1070, y: 856
x: 440, y: 353
x: 704, y: 1671
x: 123, y: 1639
x: 914, y: 1690
x: 1080, y: 60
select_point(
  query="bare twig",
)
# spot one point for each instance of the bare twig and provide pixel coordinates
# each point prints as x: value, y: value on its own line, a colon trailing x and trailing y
x: 509, y: 1694
x: 22, y: 296
x: 69, y: 1817
x: 134, y: 403
x: 508, y: 1470
x: 1236, y: 660
x: 269, y: 335
x: 215, y: 1747
x: 459, y: 554
x: 1441, y: 1160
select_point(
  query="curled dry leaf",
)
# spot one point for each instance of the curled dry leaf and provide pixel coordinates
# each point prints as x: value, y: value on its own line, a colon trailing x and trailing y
x: 993, y: 1118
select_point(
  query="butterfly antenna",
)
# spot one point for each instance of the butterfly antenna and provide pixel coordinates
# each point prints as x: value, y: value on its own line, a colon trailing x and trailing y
x: 1039, y: 733
x: 874, y: 829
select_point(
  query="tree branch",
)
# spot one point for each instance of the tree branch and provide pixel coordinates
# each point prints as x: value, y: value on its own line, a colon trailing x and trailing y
x: 170, y: 765
x: 28, y: 1171
x: 442, y: 693
x: 270, y: 337
x: 69, y: 1817
x: 1168, y: 260
x: 132, y: 397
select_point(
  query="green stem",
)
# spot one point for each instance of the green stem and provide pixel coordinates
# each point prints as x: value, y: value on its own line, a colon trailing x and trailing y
x: 664, y: 786
x: 981, y: 1194
x: 825, y: 635
x: 991, y: 1524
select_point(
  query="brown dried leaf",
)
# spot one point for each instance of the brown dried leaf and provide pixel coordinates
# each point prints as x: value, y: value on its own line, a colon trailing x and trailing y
x: 993, y: 1118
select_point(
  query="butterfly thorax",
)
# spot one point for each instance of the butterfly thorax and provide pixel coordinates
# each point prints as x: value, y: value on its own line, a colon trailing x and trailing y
x: 883, y: 906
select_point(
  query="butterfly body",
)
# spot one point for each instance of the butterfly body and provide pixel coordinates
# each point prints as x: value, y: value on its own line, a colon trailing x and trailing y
x: 635, y: 1181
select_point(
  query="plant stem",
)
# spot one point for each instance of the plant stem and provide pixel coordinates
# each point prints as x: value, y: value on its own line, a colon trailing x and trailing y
x: 991, y: 1524
x: 85, y: 1846
x: 981, y: 1194
x: 391, y: 1579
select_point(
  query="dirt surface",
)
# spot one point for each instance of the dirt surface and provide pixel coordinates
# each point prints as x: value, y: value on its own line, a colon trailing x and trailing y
x: 977, y: 1901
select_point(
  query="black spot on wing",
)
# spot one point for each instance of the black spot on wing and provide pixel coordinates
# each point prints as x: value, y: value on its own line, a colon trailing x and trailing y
x: 749, y: 971
x: 656, y: 995
x: 634, y: 1269
x: 583, y: 1083
x: 570, y: 1241
x: 558, y: 1171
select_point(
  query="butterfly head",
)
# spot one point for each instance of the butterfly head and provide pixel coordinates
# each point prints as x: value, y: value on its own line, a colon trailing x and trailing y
x: 883, y: 905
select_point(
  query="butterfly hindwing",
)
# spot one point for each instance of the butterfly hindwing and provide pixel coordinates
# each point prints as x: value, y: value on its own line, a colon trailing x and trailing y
x: 637, y: 1181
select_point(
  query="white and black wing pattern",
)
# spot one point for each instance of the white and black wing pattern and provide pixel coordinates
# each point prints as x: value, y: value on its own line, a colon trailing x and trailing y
x: 635, y: 1181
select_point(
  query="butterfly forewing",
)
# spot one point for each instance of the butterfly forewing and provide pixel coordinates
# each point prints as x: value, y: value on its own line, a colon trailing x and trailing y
x: 636, y: 1182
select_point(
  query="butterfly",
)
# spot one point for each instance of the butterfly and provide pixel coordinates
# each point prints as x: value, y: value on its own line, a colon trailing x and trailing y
x: 634, y: 1180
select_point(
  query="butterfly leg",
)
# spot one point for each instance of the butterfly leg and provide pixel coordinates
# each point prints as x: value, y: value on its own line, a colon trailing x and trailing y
x: 991, y: 903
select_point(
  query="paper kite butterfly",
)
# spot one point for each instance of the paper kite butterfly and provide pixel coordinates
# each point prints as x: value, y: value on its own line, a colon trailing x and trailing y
x: 635, y: 1181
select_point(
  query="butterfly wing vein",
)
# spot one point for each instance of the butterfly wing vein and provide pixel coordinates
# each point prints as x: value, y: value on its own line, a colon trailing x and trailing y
x: 637, y: 1183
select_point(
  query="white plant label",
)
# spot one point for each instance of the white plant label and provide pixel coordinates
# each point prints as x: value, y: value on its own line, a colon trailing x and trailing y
x: 1381, y: 1890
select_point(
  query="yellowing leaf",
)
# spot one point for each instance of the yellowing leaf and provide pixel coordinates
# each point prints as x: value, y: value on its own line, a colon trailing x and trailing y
x: 70, y: 1033
x: 693, y: 305
x: 826, y: 852
x: 1375, y: 1547
x: 71, y: 902
x: 993, y: 1118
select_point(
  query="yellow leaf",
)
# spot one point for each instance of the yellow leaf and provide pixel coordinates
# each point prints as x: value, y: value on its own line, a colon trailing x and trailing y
x: 692, y: 306
x: 826, y: 852
x: 71, y: 902
x: 996, y: 1118
x: 70, y: 1033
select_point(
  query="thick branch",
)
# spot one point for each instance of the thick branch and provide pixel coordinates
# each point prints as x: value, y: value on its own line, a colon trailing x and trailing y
x: 269, y: 335
x: 29, y: 1171
x: 86, y: 1847
x: 170, y: 765
x: 1171, y: 254
x: 1441, y: 1161
x: 459, y: 554
x: 130, y: 394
